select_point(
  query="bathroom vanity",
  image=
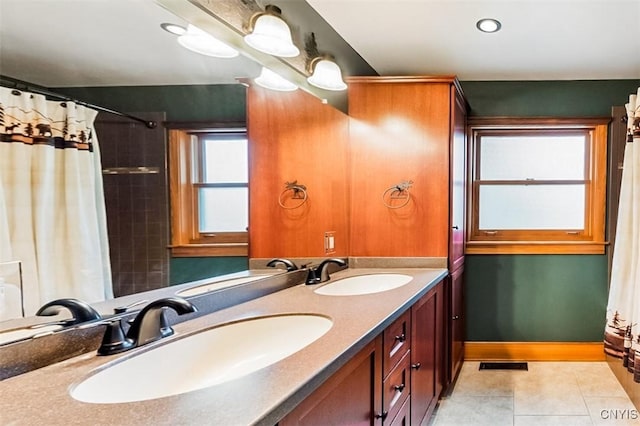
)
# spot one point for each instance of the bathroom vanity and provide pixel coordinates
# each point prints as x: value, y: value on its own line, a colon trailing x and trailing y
x: 391, y: 341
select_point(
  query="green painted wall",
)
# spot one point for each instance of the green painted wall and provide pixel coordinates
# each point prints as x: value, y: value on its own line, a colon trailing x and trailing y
x: 184, y: 269
x: 224, y: 102
x: 539, y: 297
x: 535, y: 297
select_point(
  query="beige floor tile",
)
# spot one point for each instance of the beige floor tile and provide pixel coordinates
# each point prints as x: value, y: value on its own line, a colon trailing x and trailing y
x: 597, y: 379
x: 548, y: 394
x: 541, y: 398
x: 552, y: 421
x: 486, y: 383
x: 475, y: 411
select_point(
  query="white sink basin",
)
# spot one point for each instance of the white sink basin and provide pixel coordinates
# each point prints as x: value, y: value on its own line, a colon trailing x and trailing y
x: 26, y: 333
x: 364, y: 284
x: 205, y: 288
x: 214, y: 356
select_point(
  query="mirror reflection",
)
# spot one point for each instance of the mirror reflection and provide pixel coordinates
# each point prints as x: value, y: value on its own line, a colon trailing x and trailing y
x: 123, y: 61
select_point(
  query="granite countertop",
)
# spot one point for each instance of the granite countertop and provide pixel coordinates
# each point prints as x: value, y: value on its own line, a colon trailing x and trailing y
x: 263, y: 397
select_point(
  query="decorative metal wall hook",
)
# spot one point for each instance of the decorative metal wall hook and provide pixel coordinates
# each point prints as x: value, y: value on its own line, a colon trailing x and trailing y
x: 299, y: 193
x: 397, y: 192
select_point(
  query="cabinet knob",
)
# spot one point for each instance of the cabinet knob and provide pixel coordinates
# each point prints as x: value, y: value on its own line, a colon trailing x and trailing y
x: 399, y: 387
x: 401, y: 338
x: 382, y: 415
x: 416, y: 366
x: 455, y: 317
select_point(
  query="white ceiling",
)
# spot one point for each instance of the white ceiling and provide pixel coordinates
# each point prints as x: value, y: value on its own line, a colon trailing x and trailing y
x: 103, y: 43
x: 539, y: 39
x: 119, y: 42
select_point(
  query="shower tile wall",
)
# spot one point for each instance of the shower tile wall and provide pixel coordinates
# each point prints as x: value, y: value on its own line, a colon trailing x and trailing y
x: 136, y: 204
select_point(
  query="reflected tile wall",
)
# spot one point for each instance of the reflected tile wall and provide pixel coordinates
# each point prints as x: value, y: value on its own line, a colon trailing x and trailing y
x: 137, y: 204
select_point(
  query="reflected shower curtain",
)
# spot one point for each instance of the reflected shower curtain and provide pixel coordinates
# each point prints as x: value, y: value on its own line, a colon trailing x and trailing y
x: 52, y: 213
x: 622, y: 332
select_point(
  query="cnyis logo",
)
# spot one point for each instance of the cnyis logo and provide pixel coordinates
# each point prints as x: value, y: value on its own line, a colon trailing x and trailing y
x: 618, y: 414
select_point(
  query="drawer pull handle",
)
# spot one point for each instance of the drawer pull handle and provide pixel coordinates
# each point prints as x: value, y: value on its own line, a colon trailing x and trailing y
x: 382, y: 415
x: 416, y: 366
x: 401, y: 338
x: 455, y: 317
x: 399, y: 387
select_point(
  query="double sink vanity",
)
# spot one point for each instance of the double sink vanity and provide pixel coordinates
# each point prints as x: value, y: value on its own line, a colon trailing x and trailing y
x: 288, y: 353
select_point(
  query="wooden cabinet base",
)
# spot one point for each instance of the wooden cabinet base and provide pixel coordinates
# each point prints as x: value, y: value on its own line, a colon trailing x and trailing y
x: 347, y: 397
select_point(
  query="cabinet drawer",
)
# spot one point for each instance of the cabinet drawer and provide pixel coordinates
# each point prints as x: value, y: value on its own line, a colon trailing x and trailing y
x: 403, y: 418
x: 396, y: 341
x: 395, y: 388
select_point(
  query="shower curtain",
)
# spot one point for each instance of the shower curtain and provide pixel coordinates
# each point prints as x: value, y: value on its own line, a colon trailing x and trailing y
x: 622, y: 336
x: 52, y: 212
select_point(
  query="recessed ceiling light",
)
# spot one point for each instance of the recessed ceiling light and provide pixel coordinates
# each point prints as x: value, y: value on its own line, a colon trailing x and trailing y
x: 488, y: 25
x: 173, y: 28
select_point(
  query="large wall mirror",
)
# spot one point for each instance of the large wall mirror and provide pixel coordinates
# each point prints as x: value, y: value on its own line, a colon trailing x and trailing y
x: 115, y: 54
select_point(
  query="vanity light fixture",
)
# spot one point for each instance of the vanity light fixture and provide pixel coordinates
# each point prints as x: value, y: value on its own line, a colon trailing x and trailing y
x: 326, y: 74
x: 270, y: 80
x: 269, y: 33
x: 488, y: 25
x: 204, y: 43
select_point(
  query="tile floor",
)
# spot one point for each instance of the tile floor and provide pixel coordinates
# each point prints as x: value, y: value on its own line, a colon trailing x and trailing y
x: 549, y: 393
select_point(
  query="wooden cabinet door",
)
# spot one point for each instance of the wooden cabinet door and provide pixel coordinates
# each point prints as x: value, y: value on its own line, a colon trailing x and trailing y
x: 427, y: 354
x: 458, y: 174
x: 456, y: 322
x: 352, y: 396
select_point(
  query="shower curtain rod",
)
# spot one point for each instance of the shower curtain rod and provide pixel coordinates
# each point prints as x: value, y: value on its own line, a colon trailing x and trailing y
x: 22, y: 85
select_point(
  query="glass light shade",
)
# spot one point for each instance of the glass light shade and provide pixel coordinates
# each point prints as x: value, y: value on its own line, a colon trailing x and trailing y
x: 327, y: 75
x: 201, y: 42
x: 270, y: 80
x: 272, y: 35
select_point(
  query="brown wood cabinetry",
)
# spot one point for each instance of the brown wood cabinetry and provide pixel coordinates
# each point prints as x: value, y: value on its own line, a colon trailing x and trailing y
x: 351, y: 396
x: 427, y: 354
x: 408, y: 129
x: 412, y: 129
x: 396, y: 380
x: 455, y: 283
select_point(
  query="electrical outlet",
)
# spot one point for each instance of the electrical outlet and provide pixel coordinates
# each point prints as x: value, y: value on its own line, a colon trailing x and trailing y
x: 329, y: 242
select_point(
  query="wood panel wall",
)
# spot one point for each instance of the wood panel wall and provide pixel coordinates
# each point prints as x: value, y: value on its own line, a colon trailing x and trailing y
x: 293, y: 136
x: 399, y: 132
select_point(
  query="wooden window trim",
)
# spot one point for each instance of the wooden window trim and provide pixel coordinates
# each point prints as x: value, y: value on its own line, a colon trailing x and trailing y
x: 588, y: 241
x: 186, y: 239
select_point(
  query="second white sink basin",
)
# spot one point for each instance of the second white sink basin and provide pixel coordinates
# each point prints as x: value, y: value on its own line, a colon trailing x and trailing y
x: 364, y: 284
x: 208, y: 358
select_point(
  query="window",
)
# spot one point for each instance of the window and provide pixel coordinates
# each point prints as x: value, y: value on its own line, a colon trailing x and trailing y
x: 209, y: 192
x: 537, y: 185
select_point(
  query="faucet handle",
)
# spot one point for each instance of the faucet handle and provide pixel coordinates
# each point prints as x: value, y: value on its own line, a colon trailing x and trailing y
x: 114, y: 341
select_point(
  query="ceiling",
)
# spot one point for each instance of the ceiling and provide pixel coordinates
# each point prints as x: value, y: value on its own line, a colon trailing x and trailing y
x: 539, y: 39
x: 119, y: 42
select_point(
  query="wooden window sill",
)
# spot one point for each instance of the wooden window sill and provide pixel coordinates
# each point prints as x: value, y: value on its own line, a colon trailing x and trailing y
x: 535, y: 247
x: 209, y: 250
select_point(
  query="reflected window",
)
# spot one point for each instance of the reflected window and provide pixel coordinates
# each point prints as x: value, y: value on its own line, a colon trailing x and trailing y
x: 537, y: 186
x: 209, y: 181
x: 223, y: 193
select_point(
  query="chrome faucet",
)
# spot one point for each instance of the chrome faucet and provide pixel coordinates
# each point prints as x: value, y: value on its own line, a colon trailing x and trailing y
x: 286, y: 262
x: 148, y: 326
x: 81, y: 311
x: 319, y: 274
